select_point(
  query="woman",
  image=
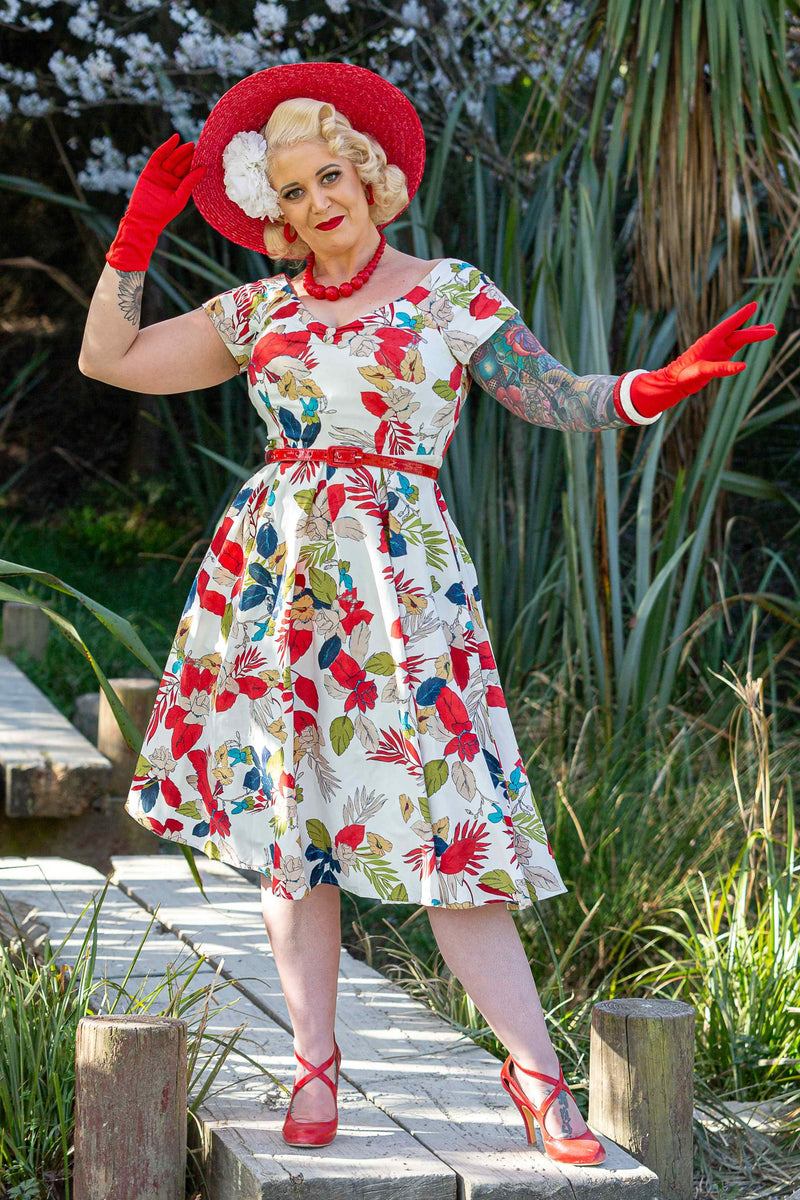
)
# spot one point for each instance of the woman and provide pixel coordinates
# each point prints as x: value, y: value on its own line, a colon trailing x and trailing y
x: 331, y: 712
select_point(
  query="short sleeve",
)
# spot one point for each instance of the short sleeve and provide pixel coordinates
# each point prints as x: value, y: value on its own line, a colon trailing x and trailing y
x: 472, y: 309
x: 238, y: 316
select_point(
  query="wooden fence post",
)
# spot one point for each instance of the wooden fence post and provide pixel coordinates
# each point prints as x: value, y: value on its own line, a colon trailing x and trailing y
x: 130, y: 1108
x: 138, y: 697
x: 641, y: 1085
x: 25, y: 628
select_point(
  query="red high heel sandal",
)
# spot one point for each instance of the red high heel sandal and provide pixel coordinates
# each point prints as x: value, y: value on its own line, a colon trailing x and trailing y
x: 313, y: 1133
x: 581, y: 1150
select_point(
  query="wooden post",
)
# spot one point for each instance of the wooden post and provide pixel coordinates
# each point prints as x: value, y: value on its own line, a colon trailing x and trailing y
x: 641, y: 1085
x: 24, y: 628
x: 138, y: 697
x: 130, y: 1108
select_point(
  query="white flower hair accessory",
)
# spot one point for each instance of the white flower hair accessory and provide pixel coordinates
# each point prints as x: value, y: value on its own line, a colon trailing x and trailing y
x: 245, y: 177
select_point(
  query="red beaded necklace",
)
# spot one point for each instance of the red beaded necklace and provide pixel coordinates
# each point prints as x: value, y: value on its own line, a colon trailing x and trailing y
x: 320, y: 292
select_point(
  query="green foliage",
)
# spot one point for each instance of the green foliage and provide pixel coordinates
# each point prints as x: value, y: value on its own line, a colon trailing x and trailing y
x: 41, y: 1004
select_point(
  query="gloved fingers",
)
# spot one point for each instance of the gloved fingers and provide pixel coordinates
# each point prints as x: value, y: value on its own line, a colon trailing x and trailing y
x: 696, y: 376
x: 180, y: 159
x: 186, y: 186
x: 753, y: 333
x: 162, y: 152
x: 717, y: 343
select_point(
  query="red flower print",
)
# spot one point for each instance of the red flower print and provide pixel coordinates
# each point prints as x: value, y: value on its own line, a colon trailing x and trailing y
x: 481, y: 306
x: 486, y: 656
x: 220, y: 535
x: 170, y: 825
x: 355, y: 612
x: 208, y: 599
x: 466, y: 852
x: 351, y: 835
x: 274, y: 353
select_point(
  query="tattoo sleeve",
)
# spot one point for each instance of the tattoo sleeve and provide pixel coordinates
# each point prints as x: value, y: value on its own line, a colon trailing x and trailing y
x: 129, y: 295
x: 514, y: 368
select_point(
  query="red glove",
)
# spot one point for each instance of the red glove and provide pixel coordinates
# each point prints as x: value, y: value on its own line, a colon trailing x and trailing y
x: 161, y: 191
x: 641, y: 396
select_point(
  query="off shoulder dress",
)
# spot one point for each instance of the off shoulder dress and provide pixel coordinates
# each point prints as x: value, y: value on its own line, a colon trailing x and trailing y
x: 331, y: 710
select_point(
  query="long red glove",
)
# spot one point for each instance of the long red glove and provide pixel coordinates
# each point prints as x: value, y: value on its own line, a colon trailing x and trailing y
x: 641, y: 396
x: 161, y: 191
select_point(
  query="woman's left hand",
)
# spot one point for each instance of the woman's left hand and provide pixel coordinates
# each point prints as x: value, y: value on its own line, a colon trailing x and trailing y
x: 708, y: 358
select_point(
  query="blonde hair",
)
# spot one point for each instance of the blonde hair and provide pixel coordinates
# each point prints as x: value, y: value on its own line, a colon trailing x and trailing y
x: 302, y: 119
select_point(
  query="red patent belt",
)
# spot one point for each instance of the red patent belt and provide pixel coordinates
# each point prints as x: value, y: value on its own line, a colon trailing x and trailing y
x: 348, y: 456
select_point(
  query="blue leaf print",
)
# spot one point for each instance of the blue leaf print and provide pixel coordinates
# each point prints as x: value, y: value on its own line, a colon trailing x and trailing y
x: 289, y: 424
x: 328, y: 651
x: 428, y: 692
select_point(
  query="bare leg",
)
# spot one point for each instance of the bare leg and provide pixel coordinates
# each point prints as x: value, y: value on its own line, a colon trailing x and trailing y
x: 305, y: 937
x: 482, y: 947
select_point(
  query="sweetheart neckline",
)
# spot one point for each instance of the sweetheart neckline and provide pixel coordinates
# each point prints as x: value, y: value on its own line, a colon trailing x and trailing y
x: 373, y: 311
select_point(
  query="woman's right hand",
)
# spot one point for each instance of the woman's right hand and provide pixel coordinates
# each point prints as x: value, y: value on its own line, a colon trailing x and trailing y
x: 161, y: 192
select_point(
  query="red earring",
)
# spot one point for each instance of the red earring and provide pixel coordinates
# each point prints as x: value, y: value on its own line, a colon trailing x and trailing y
x: 370, y: 197
x: 286, y: 229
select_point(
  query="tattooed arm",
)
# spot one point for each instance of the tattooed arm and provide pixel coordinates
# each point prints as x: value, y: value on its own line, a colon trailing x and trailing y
x: 181, y: 354
x: 514, y: 368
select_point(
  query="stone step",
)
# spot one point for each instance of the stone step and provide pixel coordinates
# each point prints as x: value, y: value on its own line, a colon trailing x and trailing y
x: 437, y: 1085
x: 47, y: 768
x: 244, y: 1154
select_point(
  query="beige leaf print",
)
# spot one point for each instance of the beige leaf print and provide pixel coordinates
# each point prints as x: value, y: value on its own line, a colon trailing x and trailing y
x: 383, y: 378
x: 412, y: 367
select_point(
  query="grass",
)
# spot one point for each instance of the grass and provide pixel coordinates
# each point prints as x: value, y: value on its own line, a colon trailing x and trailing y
x: 41, y: 1004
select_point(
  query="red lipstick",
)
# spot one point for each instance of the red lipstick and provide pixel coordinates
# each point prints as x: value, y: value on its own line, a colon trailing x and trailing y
x: 334, y: 221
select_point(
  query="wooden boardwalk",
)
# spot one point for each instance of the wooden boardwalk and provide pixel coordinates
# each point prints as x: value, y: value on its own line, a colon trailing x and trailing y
x: 421, y: 1109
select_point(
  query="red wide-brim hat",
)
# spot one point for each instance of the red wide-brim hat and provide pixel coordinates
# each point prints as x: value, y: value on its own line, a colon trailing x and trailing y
x: 370, y: 103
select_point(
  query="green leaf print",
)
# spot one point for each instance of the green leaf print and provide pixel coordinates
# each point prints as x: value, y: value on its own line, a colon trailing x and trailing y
x: 318, y: 835
x: 380, y: 664
x: 531, y: 825
x: 189, y: 809
x: 436, y: 773
x: 464, y: 551
x: 381, y: 875
x: 227, y: 620
x: 499, y: 880
x: 275, y: 763
x: 305, y: 498
x: 424, y: 808
x: 503, y: 314
x: 211, y: 851
x: 473, y: 281
x: 420, y: 532
x: 443, y: 389
x: 341, y: 734
x: 323, y: 585
x: 398, y: 893
x: 317, y: 554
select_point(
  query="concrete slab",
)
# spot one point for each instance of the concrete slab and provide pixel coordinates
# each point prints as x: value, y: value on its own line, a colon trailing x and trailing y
x: 49, y: 769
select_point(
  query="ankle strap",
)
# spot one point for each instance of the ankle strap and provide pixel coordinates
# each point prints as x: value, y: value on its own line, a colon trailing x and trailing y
x: 538, y: 1075
x: 313, y: 1071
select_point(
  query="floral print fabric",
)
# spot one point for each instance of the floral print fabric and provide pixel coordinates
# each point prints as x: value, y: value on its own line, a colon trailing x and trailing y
x: 331, y: 710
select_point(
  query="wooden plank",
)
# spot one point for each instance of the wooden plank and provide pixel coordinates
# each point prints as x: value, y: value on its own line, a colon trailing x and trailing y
x: 246, y: 1156
x: 443, y: 1089
x: 49, y: 769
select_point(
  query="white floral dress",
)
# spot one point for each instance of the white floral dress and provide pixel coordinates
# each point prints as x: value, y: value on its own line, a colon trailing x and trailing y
x: 331, y: 710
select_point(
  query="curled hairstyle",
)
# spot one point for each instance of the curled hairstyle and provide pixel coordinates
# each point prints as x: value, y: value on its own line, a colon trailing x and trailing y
x: 302, y: 118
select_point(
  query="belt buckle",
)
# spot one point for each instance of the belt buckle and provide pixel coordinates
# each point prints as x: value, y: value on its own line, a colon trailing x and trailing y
x: 339, y: 456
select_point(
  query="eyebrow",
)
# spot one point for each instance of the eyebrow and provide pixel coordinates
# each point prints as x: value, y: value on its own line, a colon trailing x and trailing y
x: 319, y: 172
